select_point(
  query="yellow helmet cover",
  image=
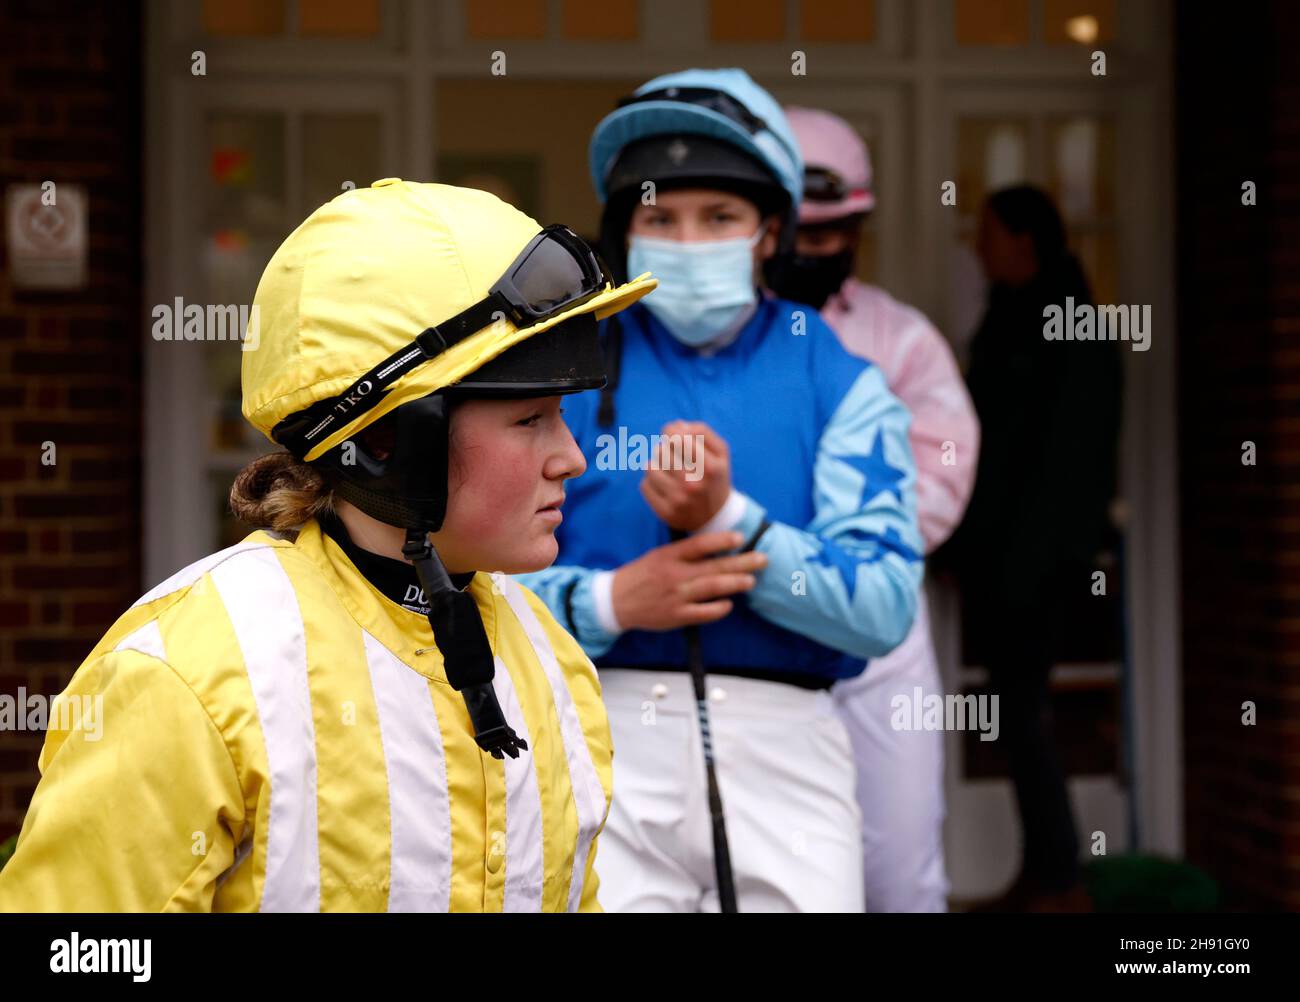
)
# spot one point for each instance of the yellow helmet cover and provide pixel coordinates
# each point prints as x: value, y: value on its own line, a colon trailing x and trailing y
x: 364, y: 274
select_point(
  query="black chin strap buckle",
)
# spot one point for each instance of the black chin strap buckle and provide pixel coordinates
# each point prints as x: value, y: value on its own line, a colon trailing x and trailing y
x: 466, y: 655
x: 417, y: 547
x: 491, y: 731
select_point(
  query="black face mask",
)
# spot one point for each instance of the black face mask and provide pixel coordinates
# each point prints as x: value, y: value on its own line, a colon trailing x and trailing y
x: 808, y: 278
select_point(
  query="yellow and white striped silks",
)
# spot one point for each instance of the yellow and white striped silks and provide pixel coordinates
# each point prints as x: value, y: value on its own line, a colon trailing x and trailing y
x: 277, y: 735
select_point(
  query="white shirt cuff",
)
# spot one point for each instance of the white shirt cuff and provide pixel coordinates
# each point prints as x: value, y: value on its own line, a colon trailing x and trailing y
x: 602, y: 597
x: 728, y: 516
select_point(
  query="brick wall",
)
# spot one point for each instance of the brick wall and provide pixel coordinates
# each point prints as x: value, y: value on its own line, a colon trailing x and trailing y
x: 1239, y: 381
x: 70, y: 363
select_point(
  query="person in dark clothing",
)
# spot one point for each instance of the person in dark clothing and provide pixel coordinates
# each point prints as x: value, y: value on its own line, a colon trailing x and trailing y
x: 1050, y: 412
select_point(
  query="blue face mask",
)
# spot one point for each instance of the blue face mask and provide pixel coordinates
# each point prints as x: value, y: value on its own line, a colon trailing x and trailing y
x: 703, y: 286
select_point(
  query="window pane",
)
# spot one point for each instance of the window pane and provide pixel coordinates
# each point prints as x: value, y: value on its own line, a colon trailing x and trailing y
x: 245, y: 218
x: 837, y: 20
x: 609, y: 20
x: 339, y: 18
x: 747, y: 20
x: 1079, y: 22
x: 1082, y: 168
x: 229, y: 529
x: 245, y: 208
x: 338, y: 147
x: 991, y: 22
x: 868, y: 250
x: 512, y: 177
x: 1097, y: 252
x: 991, y: 154
x: 505, y: 18
x: 243, y: 17
x: 542, y: 171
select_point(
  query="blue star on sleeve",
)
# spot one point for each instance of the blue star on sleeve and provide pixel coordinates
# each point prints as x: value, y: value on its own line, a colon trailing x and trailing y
x: 877, y: 474
x: 830, y: 555
x: 891, y: 540
x: 876, y: 546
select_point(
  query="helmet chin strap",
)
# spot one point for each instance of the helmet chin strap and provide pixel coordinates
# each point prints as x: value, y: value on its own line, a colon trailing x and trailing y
x: 467, y: 658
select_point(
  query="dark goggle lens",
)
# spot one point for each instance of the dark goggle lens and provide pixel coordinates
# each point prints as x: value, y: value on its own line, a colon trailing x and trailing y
x: 715, y: 100
x: 555, y: 272
x: 822, y: 185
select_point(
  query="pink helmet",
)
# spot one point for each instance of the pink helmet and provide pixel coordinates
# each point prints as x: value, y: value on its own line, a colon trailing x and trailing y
x: 837, y: 166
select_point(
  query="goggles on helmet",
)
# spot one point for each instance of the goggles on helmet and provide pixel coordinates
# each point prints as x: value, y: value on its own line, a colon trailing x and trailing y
x: 553, y: 273
x: 705, y: 97
x: 821, y: 184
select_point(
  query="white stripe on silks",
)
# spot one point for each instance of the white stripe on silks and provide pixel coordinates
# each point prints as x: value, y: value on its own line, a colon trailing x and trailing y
x: 523, y: 890
x: 186, y: 576
x: 263, y: 609
x: 418, y: 802
x: 147, y: 640
x: 588, y: 794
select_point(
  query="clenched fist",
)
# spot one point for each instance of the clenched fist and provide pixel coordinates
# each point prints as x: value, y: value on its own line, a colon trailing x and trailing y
x: 690, y: 478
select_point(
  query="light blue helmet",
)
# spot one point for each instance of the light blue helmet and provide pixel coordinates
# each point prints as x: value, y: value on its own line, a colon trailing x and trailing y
x: 744, y: 143
x: 676, y: 104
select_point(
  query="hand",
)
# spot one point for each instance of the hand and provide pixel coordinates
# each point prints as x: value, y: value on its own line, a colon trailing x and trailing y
x: 681, y: 584
x: 686, y: 498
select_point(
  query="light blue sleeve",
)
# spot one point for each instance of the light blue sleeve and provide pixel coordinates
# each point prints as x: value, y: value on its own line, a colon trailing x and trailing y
x: 567, y: 593
x: 849, y: 579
